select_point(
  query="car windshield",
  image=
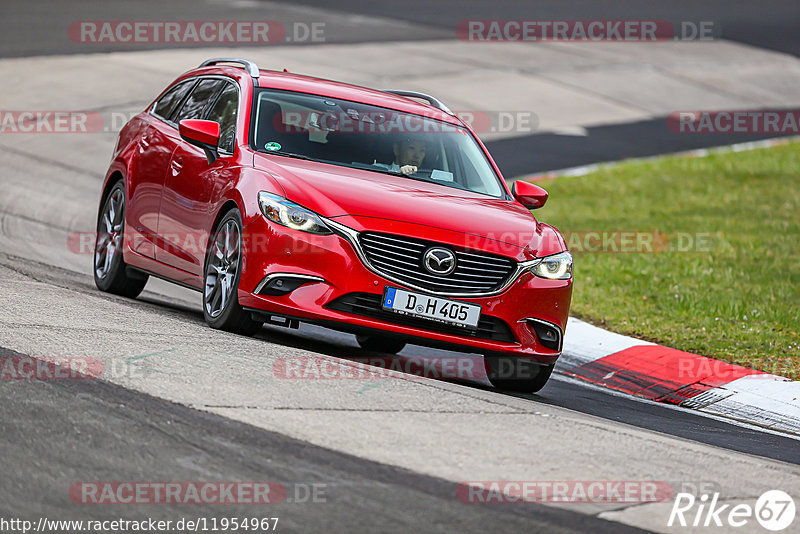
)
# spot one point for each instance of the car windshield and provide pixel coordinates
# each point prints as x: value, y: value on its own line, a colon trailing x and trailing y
x: 372, y: 138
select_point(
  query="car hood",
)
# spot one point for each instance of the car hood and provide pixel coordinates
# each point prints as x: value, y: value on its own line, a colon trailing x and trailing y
x: 353, y: 194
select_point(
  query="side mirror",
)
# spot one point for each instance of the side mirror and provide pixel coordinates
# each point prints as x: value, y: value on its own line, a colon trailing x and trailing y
x: 529, y: 195
x: 203, y: 134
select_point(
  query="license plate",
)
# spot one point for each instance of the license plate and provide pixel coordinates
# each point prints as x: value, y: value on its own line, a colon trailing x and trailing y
x: 436, y: 309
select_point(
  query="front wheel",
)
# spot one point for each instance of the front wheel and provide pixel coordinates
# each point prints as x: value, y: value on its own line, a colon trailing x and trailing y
x: 110, y: 272
x: 222, y: 271
x: 512, y: 373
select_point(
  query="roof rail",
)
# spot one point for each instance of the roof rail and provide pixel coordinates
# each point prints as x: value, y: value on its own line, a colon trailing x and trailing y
x: 249, y: 66
x: 431, y: 100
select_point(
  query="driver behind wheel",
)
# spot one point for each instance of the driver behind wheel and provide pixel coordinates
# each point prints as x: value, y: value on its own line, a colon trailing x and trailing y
x: 408, y: 155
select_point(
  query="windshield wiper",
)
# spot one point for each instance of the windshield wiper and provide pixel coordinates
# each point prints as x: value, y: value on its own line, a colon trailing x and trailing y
x: 287, y: 154
x: 409, y: 176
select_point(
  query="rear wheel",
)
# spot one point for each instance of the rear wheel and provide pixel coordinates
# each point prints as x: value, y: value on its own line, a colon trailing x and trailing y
x: 512, y: 373
x: 222, y: 271
x: 110, y: 272
x: 378, y: 343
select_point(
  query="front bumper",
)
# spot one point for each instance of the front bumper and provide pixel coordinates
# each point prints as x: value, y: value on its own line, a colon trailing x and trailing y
x: 348, y: 296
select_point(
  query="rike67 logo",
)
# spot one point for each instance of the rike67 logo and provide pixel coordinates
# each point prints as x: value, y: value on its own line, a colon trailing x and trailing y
x: 774, y: 510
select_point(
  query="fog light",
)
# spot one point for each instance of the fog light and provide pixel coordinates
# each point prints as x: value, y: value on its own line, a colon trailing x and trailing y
x: 549, y: 335
x: 284, y: 283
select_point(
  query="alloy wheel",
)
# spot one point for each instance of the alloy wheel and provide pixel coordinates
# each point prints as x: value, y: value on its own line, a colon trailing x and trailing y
x: 109, y: 238
x: 223, y: 266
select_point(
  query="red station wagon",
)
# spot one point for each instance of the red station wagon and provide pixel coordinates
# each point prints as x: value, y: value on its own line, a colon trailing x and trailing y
x: 286, y: 198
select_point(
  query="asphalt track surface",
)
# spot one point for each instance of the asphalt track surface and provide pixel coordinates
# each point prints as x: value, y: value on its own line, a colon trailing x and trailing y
x: 36, y: 28
x: 560, y: 391
x: 770, y: 25
x: 58, y: 432
x: 575, y: 395
x: 54, y: 433
x: 612, y: 142
x: 134, y: 436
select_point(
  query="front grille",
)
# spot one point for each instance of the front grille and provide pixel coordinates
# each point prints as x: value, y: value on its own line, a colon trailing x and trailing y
x: 369, y: 304
x: 401, y: 258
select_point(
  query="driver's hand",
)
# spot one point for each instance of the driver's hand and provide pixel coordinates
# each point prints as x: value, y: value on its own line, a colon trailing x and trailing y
x: 408, y: 169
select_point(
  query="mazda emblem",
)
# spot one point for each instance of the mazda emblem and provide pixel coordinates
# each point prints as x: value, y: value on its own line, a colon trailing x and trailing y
x: 439, y: 261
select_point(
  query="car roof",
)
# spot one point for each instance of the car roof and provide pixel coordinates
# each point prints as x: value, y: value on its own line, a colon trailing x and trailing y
x: 319, y: 86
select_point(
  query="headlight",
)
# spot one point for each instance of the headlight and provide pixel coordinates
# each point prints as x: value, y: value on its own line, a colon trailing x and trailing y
x: 555, y: 267
x: 291, y: 215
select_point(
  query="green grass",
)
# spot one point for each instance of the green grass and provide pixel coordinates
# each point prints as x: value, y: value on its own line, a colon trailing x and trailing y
x: 738, y: 298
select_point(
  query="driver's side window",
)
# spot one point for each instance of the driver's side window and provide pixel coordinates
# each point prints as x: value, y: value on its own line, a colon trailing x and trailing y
x: 198, y: 101
x: 224, y: 112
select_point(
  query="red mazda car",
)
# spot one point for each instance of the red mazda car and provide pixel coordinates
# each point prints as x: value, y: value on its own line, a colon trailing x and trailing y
x: 287, y: 198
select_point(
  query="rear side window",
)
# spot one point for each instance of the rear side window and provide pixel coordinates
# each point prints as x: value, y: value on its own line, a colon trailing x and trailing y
x: 167, y: 103
x: 224, y: 112
x: 199, y: 100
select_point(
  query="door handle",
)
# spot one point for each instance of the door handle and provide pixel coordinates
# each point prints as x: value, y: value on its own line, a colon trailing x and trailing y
x: 177, y: 165
x: 144, y: 142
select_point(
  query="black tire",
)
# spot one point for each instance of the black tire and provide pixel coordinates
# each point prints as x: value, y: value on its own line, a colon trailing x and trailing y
x: 221, y: 274
x: 110, y: 272
x: 512, y: 373
x: 378, y: 343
